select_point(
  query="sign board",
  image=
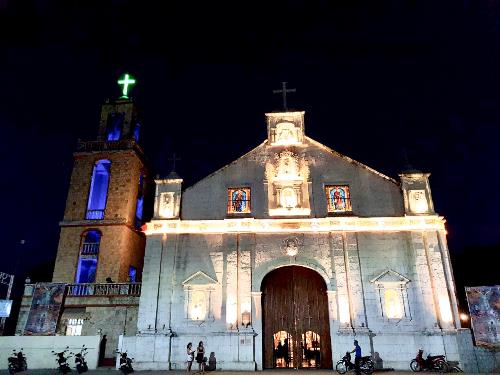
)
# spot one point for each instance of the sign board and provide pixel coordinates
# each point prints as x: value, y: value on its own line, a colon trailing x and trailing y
x: 5, y: 307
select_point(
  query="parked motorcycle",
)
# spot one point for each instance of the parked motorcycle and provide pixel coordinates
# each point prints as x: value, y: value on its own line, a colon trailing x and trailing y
x: 431, y: 363
x: 62, y: 360
x: 80, y: 362
x: 344, y: 365
x: 126, y: 363
x: 17, y: 362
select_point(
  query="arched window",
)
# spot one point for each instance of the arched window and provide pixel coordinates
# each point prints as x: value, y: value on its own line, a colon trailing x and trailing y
x: 140, y: 201
x: 87, y: 261
x: 137, y: 131
x: 91, y: 242
x: 98, y: 190
x: 115, y: 126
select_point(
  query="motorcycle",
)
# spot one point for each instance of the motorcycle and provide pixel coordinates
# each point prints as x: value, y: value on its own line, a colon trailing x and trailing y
x: 17, y: 362
x: 344, y: 365
x: 431, y: 363
x: 62, y: 360
x: 126, y: 363
x: 80, y: 363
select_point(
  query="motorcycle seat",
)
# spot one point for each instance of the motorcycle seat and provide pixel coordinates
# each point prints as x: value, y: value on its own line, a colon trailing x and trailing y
x: 435, y: 356
x: 366, y: 358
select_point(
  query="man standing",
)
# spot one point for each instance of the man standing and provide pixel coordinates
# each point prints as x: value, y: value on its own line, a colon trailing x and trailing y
x: 357, y: 357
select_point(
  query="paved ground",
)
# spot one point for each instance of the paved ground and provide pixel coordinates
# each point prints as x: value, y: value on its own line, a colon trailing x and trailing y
x: 110, y: 371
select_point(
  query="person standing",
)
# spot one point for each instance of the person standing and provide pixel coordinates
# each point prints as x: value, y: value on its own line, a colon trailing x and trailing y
x: 102, y: 350
x: 190, y: 356
x: 357, y: 357
x: 200, y: 357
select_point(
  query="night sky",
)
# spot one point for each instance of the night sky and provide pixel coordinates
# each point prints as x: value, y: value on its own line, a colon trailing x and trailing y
x: 375, y: 78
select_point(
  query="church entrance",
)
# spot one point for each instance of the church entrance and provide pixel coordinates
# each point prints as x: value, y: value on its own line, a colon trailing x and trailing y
x: 295, y: 319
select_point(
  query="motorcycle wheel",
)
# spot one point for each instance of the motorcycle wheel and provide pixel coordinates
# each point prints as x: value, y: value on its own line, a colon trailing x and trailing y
x: 367, y: 367
x: 441, y: 366
x: 341, y: 367
x: 456, y: 369
x: 415, y: 366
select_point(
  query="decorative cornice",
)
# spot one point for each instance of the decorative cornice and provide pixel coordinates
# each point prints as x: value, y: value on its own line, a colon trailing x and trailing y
x: 329, y: 224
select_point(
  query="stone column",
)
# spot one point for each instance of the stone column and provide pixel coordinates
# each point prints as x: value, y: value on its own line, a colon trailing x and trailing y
x: 333, y: 318
x: 148, y: 302
x: 354, y: 281
x: 438, y: 279
x: 168, y: 284
x: 425, y: 305
x: 450, y: 280
x: 257, y: 326
x: 343, y: 306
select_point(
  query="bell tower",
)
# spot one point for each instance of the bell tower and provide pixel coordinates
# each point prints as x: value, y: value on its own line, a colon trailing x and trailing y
x: 100, y: 231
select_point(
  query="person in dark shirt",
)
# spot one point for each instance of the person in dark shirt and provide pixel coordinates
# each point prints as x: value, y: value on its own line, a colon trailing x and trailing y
x: 357, y: 357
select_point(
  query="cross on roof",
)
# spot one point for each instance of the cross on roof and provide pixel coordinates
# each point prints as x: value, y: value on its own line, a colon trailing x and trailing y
x: 174, y: 158
x: 126, y: 81
x: 283, y: 91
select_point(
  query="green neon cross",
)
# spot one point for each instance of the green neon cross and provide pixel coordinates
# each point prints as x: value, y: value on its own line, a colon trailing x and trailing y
x: 125, y: 81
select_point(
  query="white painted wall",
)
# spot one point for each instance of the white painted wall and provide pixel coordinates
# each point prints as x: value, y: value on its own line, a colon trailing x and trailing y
x: 37, y: 349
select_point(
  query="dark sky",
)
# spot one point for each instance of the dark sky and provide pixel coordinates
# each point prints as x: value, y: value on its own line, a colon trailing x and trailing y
x: 374, y: 78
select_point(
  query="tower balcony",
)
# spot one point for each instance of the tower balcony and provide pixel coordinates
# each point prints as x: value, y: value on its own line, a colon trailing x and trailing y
x: 103, y: 289
x: 94, y: 215
x: 90, y: 248
x: 95, y: 290
x: 122, y: 144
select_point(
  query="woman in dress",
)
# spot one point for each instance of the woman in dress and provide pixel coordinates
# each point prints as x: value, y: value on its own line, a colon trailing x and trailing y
x: 190, y: 356
x: 200, y: 356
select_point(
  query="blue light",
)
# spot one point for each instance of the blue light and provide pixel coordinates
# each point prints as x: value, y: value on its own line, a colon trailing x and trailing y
x: 132, y: 274
x: 99, y: 187
x: 115, y: 125
x: 86, y: 270
x: 137, y: 131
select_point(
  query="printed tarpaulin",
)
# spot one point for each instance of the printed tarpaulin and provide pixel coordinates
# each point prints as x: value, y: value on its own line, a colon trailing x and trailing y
x: 48, y: 299
x: 484, y: 307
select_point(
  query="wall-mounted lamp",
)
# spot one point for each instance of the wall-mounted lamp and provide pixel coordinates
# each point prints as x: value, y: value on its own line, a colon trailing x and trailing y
x: 245, y: 318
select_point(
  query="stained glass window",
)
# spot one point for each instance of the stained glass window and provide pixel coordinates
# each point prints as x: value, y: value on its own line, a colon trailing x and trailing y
x: 339, y: 198
x: 238, y: 200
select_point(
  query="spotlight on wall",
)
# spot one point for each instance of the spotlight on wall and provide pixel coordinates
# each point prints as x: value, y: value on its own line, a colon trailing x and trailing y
x: 245, y: 318
x: 464, y: 317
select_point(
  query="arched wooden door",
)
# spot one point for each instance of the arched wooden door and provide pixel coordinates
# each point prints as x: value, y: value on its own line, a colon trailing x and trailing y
x: 295, y: 319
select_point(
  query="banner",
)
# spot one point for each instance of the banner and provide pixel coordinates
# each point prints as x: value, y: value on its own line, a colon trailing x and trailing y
x: 5, y: 308
x: 484, y: 308
x: 46, y: 306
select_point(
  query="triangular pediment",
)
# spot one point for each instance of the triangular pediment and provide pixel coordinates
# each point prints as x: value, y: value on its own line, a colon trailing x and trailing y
x: 390, y: 277
x: 199, y: 278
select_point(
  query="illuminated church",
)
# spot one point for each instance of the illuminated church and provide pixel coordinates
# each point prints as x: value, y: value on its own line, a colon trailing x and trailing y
x: 290, y: 259
x: 279, y: 259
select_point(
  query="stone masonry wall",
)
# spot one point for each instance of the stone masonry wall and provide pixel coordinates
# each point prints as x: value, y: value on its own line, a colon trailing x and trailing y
x: 123, y: 185
x: 120, y: 247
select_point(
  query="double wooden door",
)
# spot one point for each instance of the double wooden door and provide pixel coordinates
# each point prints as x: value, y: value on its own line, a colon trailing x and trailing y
x: 295, y: 319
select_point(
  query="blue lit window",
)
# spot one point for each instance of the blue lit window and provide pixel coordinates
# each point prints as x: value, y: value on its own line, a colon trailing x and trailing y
x: 86, y: 270
x: 115, y: 126
x: 87, y: 262
x: 137, y: 131
x: 132, y: 274
x: 98, y: 190
x: 140, y: 201
x: 91, y: 243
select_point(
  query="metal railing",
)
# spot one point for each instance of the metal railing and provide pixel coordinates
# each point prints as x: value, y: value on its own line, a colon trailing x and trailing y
x: 106, y: 145
x: 90, y: 248
x: 94, y: 215
x: 105, y: 289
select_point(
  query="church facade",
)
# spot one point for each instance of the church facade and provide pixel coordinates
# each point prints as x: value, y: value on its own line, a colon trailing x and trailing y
x: 285, y: 256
